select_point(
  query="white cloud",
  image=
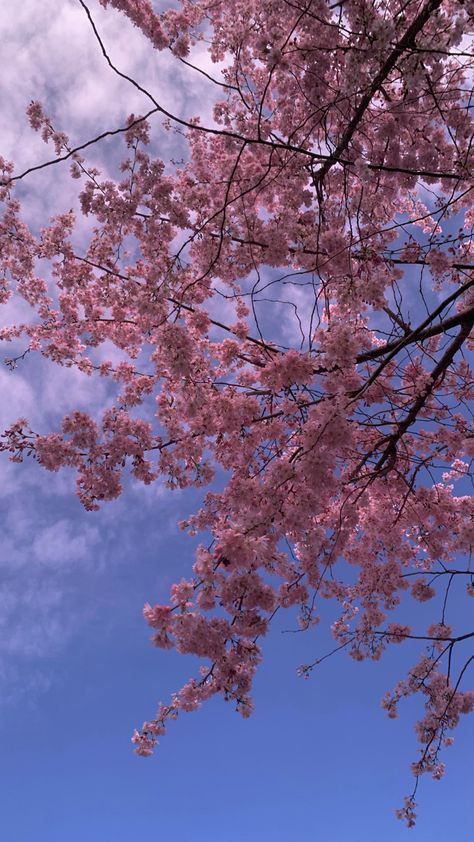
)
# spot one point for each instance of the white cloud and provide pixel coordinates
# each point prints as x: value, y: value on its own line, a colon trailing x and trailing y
x: 50, y: 53
x: 21, y: 397
x: 61, y: 543
x: 52, y: 555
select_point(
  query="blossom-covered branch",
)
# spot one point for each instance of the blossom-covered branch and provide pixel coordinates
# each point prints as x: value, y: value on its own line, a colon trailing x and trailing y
x: 291, y: 304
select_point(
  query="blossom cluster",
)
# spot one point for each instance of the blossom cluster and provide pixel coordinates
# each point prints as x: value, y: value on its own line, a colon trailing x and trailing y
x: 328, y: 178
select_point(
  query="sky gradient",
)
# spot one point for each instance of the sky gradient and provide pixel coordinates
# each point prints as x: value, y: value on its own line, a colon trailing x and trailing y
x: 319, y: 760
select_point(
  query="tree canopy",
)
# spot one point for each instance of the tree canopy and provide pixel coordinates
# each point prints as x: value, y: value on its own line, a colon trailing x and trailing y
x: 292, y: 303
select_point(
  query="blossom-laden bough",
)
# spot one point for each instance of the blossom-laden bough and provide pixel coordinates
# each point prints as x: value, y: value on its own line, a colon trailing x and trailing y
x: 328, y: 209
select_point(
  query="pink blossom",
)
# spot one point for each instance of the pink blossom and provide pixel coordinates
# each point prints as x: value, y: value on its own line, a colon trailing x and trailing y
x: 284, y: 318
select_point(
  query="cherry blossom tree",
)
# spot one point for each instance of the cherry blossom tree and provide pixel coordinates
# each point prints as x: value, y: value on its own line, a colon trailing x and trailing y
x: 294, y: 299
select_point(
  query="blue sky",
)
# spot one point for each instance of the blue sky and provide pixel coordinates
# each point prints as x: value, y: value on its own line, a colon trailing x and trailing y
x: 319, y: 760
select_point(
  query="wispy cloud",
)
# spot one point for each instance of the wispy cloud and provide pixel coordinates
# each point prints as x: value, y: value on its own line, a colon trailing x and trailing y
x: 54, y: 558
